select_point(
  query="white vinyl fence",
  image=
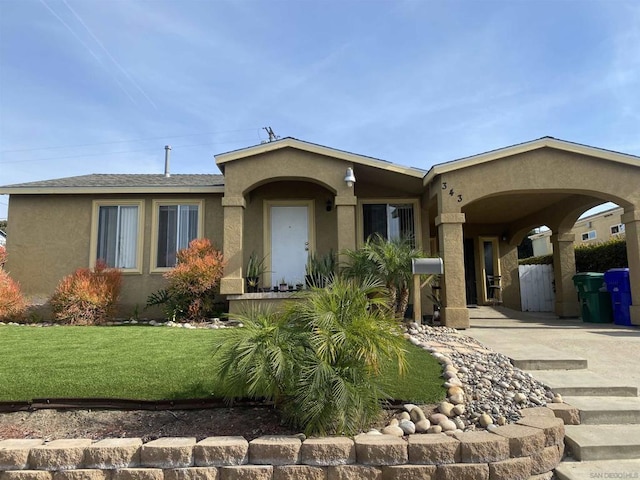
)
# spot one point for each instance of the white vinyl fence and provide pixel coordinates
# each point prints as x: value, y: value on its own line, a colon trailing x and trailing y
x: 537, y: 293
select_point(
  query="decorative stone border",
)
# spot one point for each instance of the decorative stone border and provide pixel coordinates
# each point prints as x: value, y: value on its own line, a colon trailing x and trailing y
x: 527, y: 450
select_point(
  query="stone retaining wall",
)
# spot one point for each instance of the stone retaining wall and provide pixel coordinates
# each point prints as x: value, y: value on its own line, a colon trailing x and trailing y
x: 528, y: 450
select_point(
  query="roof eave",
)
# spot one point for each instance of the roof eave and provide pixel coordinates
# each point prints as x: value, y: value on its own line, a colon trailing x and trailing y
x: 223, y: 158
x: 109, y: 190
x: 527, y: 147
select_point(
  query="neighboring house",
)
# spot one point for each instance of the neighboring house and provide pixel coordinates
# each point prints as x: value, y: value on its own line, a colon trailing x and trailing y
x: 595, y: 228
x: 285, y: 199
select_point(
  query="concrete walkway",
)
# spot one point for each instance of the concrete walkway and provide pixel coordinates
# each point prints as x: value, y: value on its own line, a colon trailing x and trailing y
x: 596, y: 368
x: 612, y: 351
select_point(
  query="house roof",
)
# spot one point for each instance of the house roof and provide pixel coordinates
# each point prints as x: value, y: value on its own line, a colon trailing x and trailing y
x: 290, y: 142
x: 527, y: 147
x: 122, y: 183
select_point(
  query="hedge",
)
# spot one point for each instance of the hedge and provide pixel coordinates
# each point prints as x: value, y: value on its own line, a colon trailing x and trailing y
x: 598, y: 257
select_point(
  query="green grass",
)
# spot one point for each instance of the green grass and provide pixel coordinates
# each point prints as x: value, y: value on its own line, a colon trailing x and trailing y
x: 146, y: 363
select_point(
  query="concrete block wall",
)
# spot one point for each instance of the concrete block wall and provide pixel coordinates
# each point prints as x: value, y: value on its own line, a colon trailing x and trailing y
x: 528, y: 450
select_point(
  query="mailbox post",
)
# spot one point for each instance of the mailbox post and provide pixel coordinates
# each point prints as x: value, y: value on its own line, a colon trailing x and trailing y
x: 422, y: 266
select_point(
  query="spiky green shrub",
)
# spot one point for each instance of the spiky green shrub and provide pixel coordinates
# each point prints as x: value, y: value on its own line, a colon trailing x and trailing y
x: 87, y: 297
x: 320, y: 360
x: 12, y: 303
x: 390, y: 262
x: 193, y: 282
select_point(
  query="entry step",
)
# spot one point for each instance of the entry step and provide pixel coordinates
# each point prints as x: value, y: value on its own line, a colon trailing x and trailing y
x: 606, y: 469
x: 607, y: 410
x: 603, y: 442
x: 574, y: 383
x: 539, y: 357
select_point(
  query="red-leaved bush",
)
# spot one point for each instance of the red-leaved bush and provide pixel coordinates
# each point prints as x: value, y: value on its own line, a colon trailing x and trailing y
x: 3, y: 255
x: 194, y: 280
x: 87, y: 297
x: 12, y: 303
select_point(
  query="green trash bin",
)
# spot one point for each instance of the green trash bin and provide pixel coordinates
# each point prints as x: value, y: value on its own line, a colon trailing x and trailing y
x: 595, y: 300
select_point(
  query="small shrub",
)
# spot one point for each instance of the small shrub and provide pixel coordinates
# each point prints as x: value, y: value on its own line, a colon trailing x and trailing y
x: 87, y: 297
x: 320, y: 360
x: 12, y: 303
x: 193, y: 282
x: 3, y: 255
x: 541, y: 260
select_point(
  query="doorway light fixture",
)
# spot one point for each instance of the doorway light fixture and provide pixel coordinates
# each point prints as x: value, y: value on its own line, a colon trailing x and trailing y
x: 350, y: 178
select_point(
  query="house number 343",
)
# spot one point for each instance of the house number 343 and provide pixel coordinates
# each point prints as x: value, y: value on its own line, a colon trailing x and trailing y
x: 452, y: 192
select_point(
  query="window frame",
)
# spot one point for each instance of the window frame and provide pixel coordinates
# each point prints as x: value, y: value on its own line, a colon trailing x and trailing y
x: 95, y: 220
x: 417, y: 225
x: 589, y: 237
x: 619, y: 226
x: 155, y: 224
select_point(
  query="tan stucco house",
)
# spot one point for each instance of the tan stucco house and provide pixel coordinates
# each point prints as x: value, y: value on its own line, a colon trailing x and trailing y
x: 287, y: 198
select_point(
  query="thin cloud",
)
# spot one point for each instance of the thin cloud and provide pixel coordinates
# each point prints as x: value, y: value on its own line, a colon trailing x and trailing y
x: 93, y: 54
x: 115, y: 62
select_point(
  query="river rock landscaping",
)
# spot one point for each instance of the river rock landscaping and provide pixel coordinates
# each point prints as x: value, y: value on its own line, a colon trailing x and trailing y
x: 484, y: 390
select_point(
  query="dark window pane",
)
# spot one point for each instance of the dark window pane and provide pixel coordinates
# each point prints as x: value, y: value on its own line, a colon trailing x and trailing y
x: 374, y: 219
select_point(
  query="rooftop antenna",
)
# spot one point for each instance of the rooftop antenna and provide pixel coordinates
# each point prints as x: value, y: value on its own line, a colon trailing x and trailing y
x: 167, y: 149
x: 272, y: 136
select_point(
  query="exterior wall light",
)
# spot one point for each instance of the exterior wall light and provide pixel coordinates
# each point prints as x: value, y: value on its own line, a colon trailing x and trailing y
x: 350, y: 178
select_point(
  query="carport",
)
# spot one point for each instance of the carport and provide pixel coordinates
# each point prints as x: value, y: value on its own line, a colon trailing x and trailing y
x: 481, y: 207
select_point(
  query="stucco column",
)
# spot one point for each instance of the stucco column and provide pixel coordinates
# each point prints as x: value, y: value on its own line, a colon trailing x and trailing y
x: 454, y: 311
x: 232, y: 282
x: 346, y: 222
x: 564, y: 268
x: 631, y: 222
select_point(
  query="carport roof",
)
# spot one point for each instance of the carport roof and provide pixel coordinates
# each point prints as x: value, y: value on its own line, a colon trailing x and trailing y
x: 527, y: 147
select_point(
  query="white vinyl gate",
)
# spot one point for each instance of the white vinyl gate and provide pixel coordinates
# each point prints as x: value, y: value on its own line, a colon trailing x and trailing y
x: 537, y: 293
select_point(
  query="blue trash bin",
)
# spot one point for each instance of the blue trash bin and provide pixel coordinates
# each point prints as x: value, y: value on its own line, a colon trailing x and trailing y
x: 619, y: 286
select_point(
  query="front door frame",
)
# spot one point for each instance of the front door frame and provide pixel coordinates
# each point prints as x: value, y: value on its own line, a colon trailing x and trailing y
x: 311, y: 234
x: 495, y: 245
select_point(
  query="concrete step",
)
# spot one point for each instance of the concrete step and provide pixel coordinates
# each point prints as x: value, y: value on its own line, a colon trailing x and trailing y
x: 539, y: 357
x: 574, y: 383
x: 598, y: 469
x: 603, y: 442
x: 607, y: 410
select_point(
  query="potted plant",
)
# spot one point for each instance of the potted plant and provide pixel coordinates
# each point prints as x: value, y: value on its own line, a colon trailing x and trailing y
x: 255, y: 269
x: 284, y: 286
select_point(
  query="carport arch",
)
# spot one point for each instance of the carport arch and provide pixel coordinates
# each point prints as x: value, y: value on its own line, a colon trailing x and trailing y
x: 586, y: 176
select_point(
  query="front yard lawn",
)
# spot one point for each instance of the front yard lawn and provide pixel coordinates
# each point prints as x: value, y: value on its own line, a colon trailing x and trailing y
x: 146, y: 363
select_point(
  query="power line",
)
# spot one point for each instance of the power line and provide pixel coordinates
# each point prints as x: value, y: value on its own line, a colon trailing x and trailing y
x: 124, y: 141
x: 110, y: 153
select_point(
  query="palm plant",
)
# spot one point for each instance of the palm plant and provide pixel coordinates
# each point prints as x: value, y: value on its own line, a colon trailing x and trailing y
x: 260, y: 359
x: 390, y: 262
x: 339, y: 389
x: 319, y: 360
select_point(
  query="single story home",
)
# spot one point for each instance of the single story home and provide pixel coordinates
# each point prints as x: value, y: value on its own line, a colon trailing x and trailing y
x: 287, y: 198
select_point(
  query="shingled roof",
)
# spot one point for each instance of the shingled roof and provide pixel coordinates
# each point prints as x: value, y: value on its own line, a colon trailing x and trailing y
x: 121, y: 183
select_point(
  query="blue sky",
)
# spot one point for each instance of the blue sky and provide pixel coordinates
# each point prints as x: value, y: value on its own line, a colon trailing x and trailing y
x: 97, y: 86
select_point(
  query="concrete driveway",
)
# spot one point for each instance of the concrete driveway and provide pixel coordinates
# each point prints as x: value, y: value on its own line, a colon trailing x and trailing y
x: 611, y: 351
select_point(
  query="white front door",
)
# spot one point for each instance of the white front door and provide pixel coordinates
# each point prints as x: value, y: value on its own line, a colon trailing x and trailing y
x: 289, y: 242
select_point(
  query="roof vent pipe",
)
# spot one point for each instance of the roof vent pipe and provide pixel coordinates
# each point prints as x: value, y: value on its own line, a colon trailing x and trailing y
x: 167, y: 149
